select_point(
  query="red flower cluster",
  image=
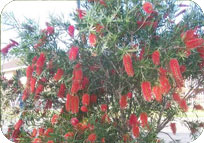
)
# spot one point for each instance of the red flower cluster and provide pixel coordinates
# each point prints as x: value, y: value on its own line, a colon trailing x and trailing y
x: 73, y: 52
x: 40, y: 63
x: 165, y: 85
x: 144, y: 119
x: 50, y: 30
x: 61, y: 91
x: 176, y: 97
x: 146, y: 90
x: 84, y: 109
x: 71, y: 30
x: 148, y: 8
x: 48, y: 131
x: 127, y: 62
x: 191, y: 40
x: 173, y: 127
x: 54, y: 119
x: 156, y: 57
x: 175, y: 69
x: 85, y: 82
x: 136, y: 131
x: 92, y: 39
x: 81, y: 13
x: 92, y: 137
x: 86, y: 99
x: 18, y: 124
x: 72, y: 104
x: 104, y: 107
x: 77, y: 78
x: 25, y: 95
x: 59, y: 74
x: 8, y: 47
x: 133, y: 120
x: 123, y: 102
x: 34, y: 133
x: 29, y: 72
x: 201, y: 52
x: 32, y: 84
x: 157, y: 92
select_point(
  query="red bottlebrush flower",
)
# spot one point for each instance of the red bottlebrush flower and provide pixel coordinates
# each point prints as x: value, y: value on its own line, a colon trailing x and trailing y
x: 59, y: 74
x: 183, y: 105
x: 37, y: 140
x: 195, y: 43
x: 198, y: 107
x: 76, y: 86
x: 102, y: 2
x: 165, y: 85
x: 158, y: 93
x: 123, y: 102
x: 92, y: 39
x: 75, y: 104
x: 34, y: 60
x: 92, y: 137
x: 39, y: 89
x: 41, y: 60
x: 136, y: 131
x: 5, y: 50
x: 146, y: 90
x: 104, y: 107
x: 129, y: 94
x: 18, y: 124
x: 84, y: 109
x: 68, y: 135
x: 68, y: 103
x: 148, y: 8
x: 201, y: 52
x: 40, y: 63
x: 156, y: 57
x: 50, y: 30
x: 182, y: 68
x: 176, y: 97
x: 77, y: 72
x: 162, y: 71
x: 188, y: 35
x: 41, y: 131
x: 48, y: 131
x: 103, y: 140
x: 71, y: 30
x: 133, y: 120
x: 175, y: 69
x: 25, y: 95
x: 32, y: 84
x: 93, y: 98
x: 50, y: 142
x: 54, y: 119
x: 86, y: 99
x: 99, y: 28
x: 81, y: 13
x: 173, y: 127
x: 61, y: 91
x: 144, y: 119
x: 105, y: 118
x: 74, y: 121
x: 85, y: 82
x: 29, y: 72
x: 73, y: 52
x: 34, y: 133
x: 127, y: 62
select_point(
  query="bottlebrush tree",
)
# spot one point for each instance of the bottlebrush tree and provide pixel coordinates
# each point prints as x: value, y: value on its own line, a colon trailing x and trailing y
x: 120, y: 78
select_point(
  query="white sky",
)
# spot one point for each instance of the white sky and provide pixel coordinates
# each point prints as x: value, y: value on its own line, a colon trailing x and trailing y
x: 37, y: 10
